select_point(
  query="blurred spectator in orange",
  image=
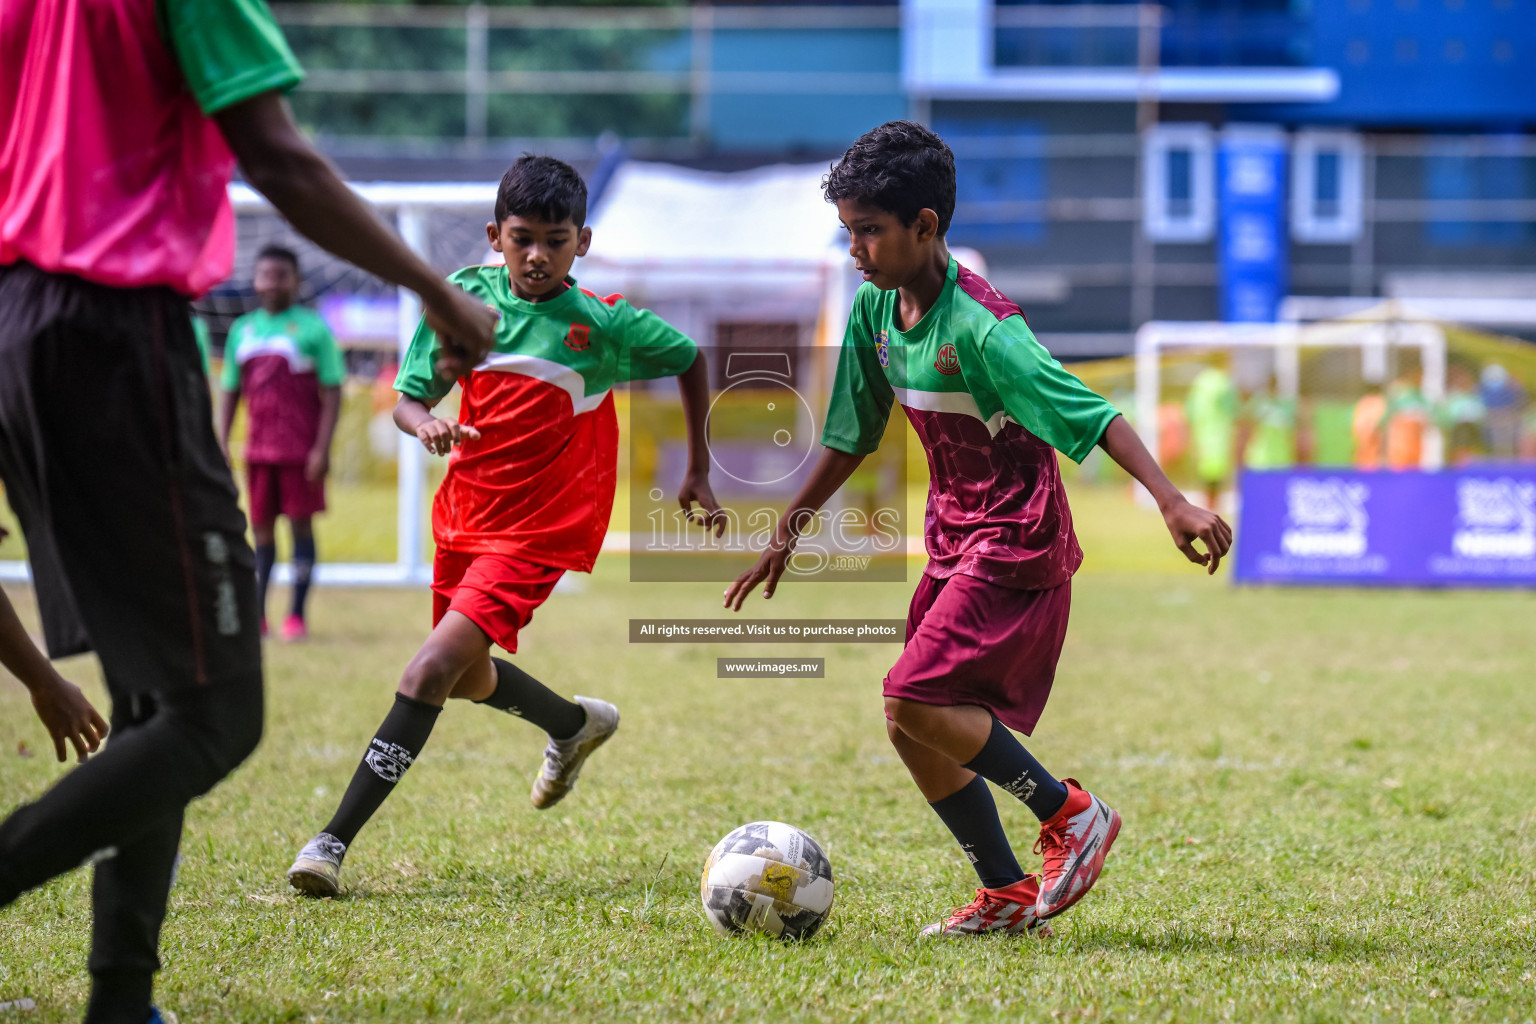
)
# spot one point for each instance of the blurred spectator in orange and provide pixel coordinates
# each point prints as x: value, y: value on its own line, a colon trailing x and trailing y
x: 1407, y: 417
x: 1370, y: 411
x: 1172, y: 433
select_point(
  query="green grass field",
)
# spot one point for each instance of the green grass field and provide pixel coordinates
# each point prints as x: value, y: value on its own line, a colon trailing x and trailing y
x: 1327, y: 798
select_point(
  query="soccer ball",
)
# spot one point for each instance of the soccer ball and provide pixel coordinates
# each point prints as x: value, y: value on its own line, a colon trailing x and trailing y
x: 767, y: 877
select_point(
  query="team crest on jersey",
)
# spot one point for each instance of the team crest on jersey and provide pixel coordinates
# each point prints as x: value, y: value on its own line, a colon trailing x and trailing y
x: 949, y: 359
x: 882, y: 348
x: 578, y: 338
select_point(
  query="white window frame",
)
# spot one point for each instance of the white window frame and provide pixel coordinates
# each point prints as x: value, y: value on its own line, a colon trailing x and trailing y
x: 1306, y: 224
x: 1157, y: 220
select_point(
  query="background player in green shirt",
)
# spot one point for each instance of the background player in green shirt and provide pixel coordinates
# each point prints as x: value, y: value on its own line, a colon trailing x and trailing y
x: 282, y: 359
x: 989, y: 616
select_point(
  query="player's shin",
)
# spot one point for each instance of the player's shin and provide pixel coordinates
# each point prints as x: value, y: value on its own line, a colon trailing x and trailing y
x: 971, y: 816
x: 518, y: 693
x: 1003, y: 760
x: 392, y: 750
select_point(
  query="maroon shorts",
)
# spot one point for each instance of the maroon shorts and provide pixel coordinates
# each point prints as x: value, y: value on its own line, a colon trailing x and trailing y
x: 498, y: 593
x: 282, y: 489
x: 974, y: 642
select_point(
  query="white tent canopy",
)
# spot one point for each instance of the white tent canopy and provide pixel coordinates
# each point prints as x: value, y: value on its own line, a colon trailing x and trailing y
x: 699, y: 246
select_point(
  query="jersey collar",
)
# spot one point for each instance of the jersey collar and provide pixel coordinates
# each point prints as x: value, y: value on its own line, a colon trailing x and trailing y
x: 920, y: 330
x: 558, y: 305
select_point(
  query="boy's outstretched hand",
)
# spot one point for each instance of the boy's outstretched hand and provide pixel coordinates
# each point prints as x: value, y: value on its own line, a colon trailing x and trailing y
x: 67, y: 715
x: 1189, y: 523
x: 709, y: 513
x: 439, y: 436
x: 769, y: 567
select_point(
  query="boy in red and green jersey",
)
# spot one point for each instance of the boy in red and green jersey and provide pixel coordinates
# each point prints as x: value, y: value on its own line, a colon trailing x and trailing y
x: 528, y: 492
x: 988, y: 619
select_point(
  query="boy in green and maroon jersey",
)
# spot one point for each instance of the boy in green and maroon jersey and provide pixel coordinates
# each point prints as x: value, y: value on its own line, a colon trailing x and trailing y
x: 528, y: 493
x: 987, y: 622
x: 282, y: 359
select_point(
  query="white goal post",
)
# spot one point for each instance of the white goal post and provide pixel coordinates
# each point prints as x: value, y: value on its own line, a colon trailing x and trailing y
x: 1373, y: 332
x: 409, y: 203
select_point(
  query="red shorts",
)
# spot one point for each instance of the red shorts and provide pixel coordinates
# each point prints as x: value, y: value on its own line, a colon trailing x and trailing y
x: 498, y: 593
x: 974, y: 642
x: 282, y: 488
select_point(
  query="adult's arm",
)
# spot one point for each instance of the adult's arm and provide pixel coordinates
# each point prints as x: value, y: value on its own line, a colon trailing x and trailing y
x: 281, y: 164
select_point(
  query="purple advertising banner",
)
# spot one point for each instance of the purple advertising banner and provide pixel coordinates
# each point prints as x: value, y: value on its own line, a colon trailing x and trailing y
x: 1474, y: 526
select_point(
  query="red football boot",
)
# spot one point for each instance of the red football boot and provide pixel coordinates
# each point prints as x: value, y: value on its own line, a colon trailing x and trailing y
x: 1073, y: 842
x: 1009, y: 909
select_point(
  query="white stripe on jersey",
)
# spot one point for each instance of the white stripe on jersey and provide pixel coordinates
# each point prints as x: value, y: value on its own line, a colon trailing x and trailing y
x: 960, y: 402
x: 550, y: 372
x: 251, y: 346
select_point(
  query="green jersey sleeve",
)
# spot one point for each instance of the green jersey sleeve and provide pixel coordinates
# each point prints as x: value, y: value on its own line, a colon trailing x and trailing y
x: 229, y: 379
x: 330, y: 364
x: 1041, y: 396
x: 860, y: 406
x: 649, y: 346
x: 228, y: 50
x: 418, y: 376
x: 200, y: 335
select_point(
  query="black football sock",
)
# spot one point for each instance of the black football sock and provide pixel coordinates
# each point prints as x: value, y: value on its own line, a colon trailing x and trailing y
x: 518, y: 693
x: 391, y: 751
x: 120, y: 997
x: 1004, y: 760
x: 266, y: 555
x: 303, y: 569
x: 971, y: 815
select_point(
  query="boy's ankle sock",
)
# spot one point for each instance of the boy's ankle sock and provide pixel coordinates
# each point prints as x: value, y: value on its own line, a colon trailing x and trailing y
x: 1004, y: 760
x: 971, y: 815
x: 120, y: 997
x: 303, y: 570
x: 518, y: 693
x: 391, y: 751
x: 266, y: 556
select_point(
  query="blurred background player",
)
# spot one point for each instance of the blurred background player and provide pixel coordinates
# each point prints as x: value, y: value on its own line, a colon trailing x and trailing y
x: 282, y: 359
x: 989, y: 616
x: 114, y: 212
x: 528, y: 493
x: 1211, y: 408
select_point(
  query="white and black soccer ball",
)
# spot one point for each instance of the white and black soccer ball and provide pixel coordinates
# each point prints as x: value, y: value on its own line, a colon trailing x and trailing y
x: 767, y: 877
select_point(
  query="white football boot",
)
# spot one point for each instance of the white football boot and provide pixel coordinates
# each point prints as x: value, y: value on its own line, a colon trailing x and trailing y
x: 563, y: 758
x: 317, y: 869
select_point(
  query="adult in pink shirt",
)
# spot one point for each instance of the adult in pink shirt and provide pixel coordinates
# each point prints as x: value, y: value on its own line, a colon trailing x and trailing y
x: 121, y: 122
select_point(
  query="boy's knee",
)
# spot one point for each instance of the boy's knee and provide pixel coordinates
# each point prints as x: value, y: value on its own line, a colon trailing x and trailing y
x: 429, y: 677
x: 904, y: 715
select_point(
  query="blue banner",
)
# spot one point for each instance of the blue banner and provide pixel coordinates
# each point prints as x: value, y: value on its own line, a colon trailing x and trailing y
x: 1251, y: 249
x: 1474, y: 526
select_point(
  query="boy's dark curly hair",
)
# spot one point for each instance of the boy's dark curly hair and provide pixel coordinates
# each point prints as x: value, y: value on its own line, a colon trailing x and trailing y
x: 543, y: 188
x: 278, y: 252
x: 902, y: 168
